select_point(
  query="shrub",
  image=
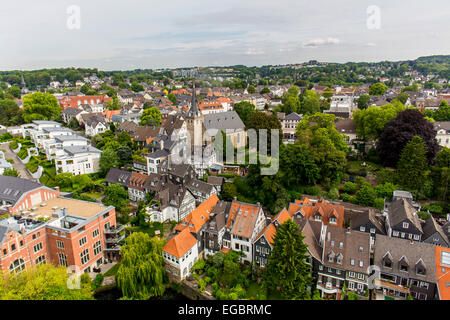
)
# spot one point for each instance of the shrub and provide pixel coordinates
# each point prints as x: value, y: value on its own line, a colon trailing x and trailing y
x: 199, y: 266
x: 379, y: 203
x: 313, y: 191
x: 349, y: 187
x: 5, y: 137
x: 435, y: 208
x: 423, y: 215
x: 13, y: 145
x: 333, y: 194
x: 97, y: 282
x: 22, y: 154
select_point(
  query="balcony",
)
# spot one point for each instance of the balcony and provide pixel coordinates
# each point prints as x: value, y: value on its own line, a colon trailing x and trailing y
x: 114, y: 240
x: 114, y: 230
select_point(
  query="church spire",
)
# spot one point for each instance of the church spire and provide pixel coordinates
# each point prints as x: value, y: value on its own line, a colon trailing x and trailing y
x: 194, y: 111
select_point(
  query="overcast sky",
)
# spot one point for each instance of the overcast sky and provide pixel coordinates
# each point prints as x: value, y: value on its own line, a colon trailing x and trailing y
x: 131, y: 34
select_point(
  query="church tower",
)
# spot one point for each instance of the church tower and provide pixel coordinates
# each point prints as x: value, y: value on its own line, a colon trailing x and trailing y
x: 195, y: 121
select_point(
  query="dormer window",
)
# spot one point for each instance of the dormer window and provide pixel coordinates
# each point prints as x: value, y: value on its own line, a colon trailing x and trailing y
x: 362, y: 228
x: 405, y: 225
x: 387, y: 261
x: 339, y: 258
x: 420, y: 268
x: 318, y: 217
x: 333, y: 220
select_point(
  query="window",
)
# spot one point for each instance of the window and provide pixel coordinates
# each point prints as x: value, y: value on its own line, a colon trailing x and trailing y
x: 84, y: 255
x: 82, y: 241
x: 17, y: 266
x: 360, y: 276
x: 5, y: 252
x: 59, y: 244
x: 97, y: 247
x: 351, y: 285
x: 351, y: 274
x: 332, y: 243
x: 37, y: 247
x: 320, y: 267
x: 341, y: 245
x: 362, y: 228
x: 395, y: 233
x: 95, y: 233
x: 416, y: 237
x: 13, y: 247
x: 361, y: 264
x: 21, y: 243
x: 405, y: 225
x: 372, y: 230
x: 62, y: 259
x: 40, y: 260
x: 352, y: 262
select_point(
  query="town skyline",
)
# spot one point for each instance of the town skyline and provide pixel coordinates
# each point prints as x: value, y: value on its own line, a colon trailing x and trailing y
x: 134, y: 35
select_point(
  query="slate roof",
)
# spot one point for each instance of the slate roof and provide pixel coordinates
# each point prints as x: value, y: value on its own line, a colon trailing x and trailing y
x: 200, y: 186
x: 413, y: 252
x: 430, y: 227
x: 345, y: 126
x: 293, y: 117
x: 116, y: 175
x: 215, y: 180
x: 71, y: 111
x: 400, y: 210
x: 223, y: 121
x: 12, y: 189
x: 368, y: 215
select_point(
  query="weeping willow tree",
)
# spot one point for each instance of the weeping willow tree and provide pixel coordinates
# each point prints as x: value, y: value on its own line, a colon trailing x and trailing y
x: 141, y: 272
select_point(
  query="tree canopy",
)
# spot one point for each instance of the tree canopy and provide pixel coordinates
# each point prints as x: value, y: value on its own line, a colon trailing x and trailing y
x: 287, y: 270
x: 43, y: 282
x: 141, y: 271
x: 400, y: 131
x: 40, y: 106
x: 245, y: 110
x: 377, y: 89
x: 151, y: 117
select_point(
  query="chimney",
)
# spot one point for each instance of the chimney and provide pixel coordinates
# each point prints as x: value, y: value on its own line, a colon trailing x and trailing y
x: 57, y: 190
x: 161, y: 144
x: 347, y: 231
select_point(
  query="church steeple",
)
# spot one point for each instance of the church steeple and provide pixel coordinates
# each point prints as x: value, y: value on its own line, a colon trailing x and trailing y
x: 194, y: 111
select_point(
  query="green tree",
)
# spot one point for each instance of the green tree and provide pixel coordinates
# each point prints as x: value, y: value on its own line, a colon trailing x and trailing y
x: 363, y: 101
x: 141, y: 271
x: 443, y: 112
x: 366, y: 195
x: 172, y: 98
x: 43, y: 282
x: 412, y: 165
x: 440, y: 174
x: 310, y: 103
x: 291, y: 101
x: 151, y: 117
x: 229, y: 191
x: 116, y: 195
x: 14, y: 92
x: 40, y: 106
x: 264, y: 90
x: 136, y: 87
x: 298, y: 166
x: 402, y: 97
x: 287, y: 271
x: 245, y: 110
x: 377, y: 89
x: 251, y: 89
x: 10, y: 113
x: 371, y: 122
x: 108, y: 160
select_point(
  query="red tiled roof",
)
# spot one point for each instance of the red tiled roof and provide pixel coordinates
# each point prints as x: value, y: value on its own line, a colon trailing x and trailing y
x: 197, y: 218
x: 181, y: 243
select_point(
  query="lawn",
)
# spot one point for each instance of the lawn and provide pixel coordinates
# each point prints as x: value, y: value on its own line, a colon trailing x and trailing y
x: 95, y: 195
x: 150, y: 230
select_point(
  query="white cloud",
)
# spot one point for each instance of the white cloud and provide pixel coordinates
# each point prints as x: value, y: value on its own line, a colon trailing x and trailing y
x: 321, y: 42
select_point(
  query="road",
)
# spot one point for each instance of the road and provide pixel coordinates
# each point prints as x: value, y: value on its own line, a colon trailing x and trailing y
x: 18, y: 165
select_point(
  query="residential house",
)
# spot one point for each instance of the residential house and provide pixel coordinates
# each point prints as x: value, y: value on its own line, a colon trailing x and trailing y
x: 402, y: 220
x: 442, y: 133
x: 289, y: 125
x: 94, y: 123
x: 79, y: 160
x: 136, y: 187
x: 406, y: 267
x: 443, y: 272
x: 116, y: 175
x: 434, y: 234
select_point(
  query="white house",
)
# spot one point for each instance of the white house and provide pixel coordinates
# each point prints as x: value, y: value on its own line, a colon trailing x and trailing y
x: 3, y: 163
x: 443, y: 132
x: 79, y: 160
x: 180, y: 253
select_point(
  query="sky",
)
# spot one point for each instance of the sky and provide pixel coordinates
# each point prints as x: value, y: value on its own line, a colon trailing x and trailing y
x: 140, y: 34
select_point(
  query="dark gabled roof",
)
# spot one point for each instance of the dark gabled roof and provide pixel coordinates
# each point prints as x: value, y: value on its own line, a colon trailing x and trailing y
x: 200, y: 186
x: 142, y: 133
x: 116, y: 175
x: 12, y: 189
x: 345, y: 126
x: 311, y: 231
x: 216, y: 180
x: 128, y: 126
x: 223, y: 121
x: 293, y: 116
x: 179, y: 170
x: 158, y: 154
x: 92, y: 119
x: 400, y: 210
x: 362, y: 218
x: 430, y: 227
x: 412, y: 250
x: 71, y: 111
